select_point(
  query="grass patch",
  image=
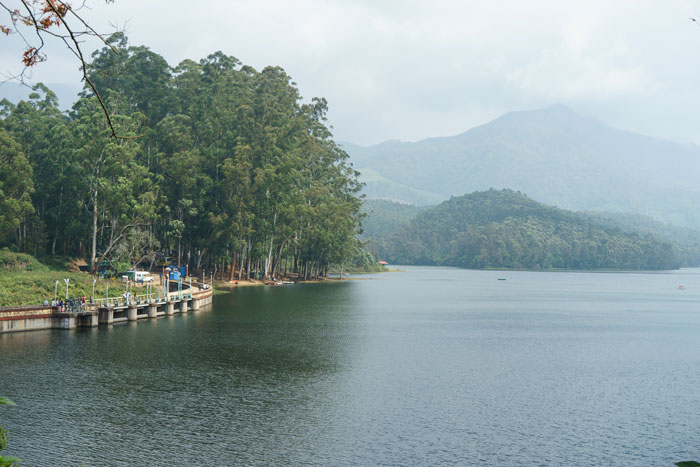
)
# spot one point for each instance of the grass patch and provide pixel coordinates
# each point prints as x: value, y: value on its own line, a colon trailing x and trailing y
x: 26, y: 281
x: 17, y: 262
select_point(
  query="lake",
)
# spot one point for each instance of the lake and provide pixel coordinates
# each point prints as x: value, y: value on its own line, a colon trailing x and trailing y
x: 427, y: 366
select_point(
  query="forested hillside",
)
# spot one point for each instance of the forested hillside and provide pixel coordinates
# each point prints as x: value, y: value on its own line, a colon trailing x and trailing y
x: 214, y: 161
x: 554, y: 155
x: 384, y: 217
x: 685, y: 240
x: 506, y: 229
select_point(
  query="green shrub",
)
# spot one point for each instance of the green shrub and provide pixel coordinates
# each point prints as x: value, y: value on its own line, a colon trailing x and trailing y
x: 11, y: 261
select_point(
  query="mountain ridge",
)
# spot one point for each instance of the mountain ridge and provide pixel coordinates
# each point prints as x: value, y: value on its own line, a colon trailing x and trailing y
x: 555, y: 155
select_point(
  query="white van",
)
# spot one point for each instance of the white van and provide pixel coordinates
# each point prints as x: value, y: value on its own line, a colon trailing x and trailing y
x: 138, y: 276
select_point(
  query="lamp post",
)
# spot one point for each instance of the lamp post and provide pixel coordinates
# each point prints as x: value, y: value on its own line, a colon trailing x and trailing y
x: 66, y: 281
x: 92, y: 297
x: 55, y: 292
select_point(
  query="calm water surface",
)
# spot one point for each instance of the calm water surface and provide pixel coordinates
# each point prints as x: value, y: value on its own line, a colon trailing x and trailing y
x: 428, y: 366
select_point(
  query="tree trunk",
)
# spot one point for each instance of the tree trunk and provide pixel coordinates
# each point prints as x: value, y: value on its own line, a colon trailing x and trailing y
x: 93, y: 255
x: 276, y: 262
x: 199, y: 259
x: 295, y: 264
x: 268, y: 260
x: 247, y: 269
x: 233, y: 267
x: 179, y: 251
x: 60, y: 206
x: 240, y: 268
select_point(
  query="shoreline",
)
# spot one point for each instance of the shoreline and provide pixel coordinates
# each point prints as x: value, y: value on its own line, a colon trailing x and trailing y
x: 232, y: 285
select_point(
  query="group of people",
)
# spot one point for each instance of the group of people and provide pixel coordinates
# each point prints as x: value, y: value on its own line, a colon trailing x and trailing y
x: 60, y: 303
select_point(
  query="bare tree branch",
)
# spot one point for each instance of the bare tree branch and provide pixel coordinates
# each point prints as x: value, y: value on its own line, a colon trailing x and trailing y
x: 83, y: 64
x: 41, y: 16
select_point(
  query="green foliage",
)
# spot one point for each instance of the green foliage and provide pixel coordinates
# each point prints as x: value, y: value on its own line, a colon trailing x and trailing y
x: 688, y: 464
x: 216, y: 162
x: 361, y: 261
x: 6, y: 461
x: 385, y: 217
x: 506, y: 229
x: 11, y: 261
x: 31, y: 286
x: 15, y: 185
x: 686, y: 241
x: 9, y: 461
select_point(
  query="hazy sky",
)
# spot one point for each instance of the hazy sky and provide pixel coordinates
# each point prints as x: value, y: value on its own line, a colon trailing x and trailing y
x: 413, y: 69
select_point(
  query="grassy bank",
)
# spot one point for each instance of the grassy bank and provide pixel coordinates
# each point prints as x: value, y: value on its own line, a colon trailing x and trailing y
x: 24, y: 280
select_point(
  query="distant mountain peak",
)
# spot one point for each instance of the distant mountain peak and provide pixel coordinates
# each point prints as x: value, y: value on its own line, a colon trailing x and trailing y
x: 553, y: 111
x: 554, y: 154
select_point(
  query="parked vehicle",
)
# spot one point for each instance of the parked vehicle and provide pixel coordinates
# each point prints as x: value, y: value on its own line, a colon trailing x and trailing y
x: 138, y: 276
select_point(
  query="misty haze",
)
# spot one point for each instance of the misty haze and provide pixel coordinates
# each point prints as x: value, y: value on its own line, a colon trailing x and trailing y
x: 349, y: 233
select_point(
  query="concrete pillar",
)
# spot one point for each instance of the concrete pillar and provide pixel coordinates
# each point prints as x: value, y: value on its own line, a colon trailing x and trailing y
x: 195, y: 304
x: 106, y: 315
x: 132, y: 313
x: 183, y: 306
x: 88, y: 321
x: 170, y: 308
x: 152, y: 310
x: 64, y: 322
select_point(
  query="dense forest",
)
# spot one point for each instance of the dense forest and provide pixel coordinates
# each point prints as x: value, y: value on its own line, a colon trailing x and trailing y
x: 506, y: 229
x: 686, y: 241
x: 213, y: 162
x: 382, y: 217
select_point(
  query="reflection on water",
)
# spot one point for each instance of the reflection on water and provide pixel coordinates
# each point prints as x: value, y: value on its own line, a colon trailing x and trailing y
x: 426, y: 366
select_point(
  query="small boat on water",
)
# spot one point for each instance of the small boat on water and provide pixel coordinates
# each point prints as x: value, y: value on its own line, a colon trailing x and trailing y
x: 681, y: 287
x: 501, y: 278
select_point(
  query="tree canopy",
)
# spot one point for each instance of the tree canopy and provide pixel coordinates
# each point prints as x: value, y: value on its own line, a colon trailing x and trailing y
x: 506, y: 229
x: 218, y: 164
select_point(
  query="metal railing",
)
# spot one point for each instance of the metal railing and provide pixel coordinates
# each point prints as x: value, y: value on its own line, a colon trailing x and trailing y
x: 143, y: 299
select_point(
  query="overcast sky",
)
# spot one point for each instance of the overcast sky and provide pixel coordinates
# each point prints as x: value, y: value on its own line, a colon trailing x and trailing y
x: 412, y: 69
